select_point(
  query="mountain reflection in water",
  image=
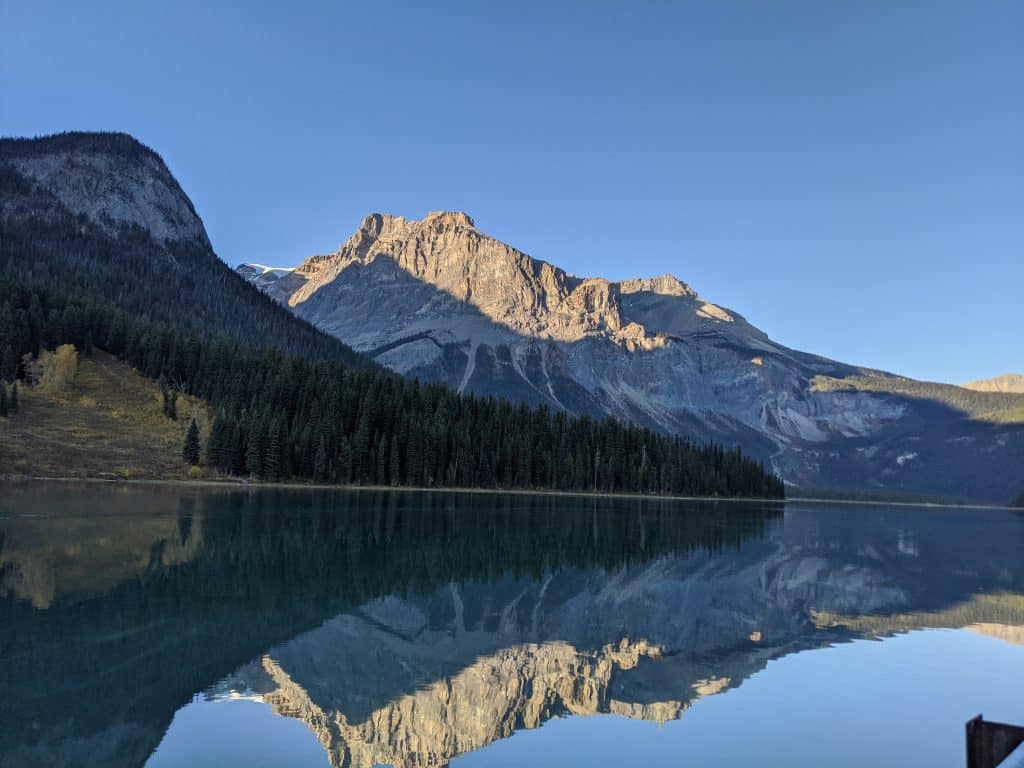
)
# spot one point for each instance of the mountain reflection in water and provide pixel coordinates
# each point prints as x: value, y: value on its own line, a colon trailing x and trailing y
x: 409, y: 628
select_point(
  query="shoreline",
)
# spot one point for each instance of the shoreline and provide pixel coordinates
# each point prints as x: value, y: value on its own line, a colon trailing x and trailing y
x: 245, y: 485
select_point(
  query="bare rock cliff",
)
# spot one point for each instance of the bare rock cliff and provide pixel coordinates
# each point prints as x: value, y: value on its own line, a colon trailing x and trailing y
x: 110, y: 178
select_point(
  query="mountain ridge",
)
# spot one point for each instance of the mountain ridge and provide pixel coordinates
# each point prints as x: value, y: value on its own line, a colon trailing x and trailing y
x: 440, y: 300
x: 1006, y: 382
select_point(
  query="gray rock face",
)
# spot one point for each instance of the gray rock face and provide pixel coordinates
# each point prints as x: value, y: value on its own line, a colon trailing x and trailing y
x: 439, y: 300
x: 116, y: 183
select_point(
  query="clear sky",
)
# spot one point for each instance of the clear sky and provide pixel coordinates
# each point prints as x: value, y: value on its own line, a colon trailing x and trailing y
x: 847, y: 175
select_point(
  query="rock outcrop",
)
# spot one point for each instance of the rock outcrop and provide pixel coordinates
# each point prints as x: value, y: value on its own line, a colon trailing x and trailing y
x: 112, y: 179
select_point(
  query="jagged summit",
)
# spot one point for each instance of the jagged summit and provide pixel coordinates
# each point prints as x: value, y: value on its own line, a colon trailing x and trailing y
x: 482, y: 280
x: 386, y: 224
x: 450, y: 218
x: 111, y: 178
x: 664, y: 285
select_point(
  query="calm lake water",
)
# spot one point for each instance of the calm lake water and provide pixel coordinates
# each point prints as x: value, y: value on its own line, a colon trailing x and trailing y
x: 160, y: 627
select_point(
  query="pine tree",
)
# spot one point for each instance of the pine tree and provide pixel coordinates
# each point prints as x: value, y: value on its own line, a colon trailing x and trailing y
x: 8, y: 364
x: 254, y: 450
x: 320, y: 463
x: 190, y: 452
x: 344, y: 461
x: 272, y: 461
x: 382, y: 461
x: 235, y: 452
x: 215, y: 443
x: 170, y: 404
x: 394, y: 470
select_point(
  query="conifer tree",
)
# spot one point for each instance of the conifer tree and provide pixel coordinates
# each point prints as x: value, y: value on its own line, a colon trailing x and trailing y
x: 190, y: 451
x: 8, y: 364
x: 235, y: 456
x: 344, y: 461
x: 320, y: 463
x: 254, y: 450
x: 215, y: 443
x: 272, y: 461
x: 382, y: 460
x: 394, y: 470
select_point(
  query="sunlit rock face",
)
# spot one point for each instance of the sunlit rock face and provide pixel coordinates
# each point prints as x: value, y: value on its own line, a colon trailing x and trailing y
x: 439, y: 300
x: 513, y: 688
x: 1007, y: 382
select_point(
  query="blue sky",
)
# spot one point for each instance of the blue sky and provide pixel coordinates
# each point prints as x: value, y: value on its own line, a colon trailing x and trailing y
x: 848, y: 175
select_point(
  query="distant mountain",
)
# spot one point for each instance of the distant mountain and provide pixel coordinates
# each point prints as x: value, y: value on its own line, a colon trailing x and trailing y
x: 441, y: 301
x: 100, y: 215
x: 1008, y: 382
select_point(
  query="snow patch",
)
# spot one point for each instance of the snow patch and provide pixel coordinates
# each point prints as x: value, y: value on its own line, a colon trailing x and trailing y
x: 470, y: 367
x: 264, y: 269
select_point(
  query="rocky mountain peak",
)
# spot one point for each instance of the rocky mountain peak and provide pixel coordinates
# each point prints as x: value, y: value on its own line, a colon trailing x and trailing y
x: 112, y: 179
x: 663, y: 285
x: 445, y: 255
x: 450, y: 219
x: 385, y: 224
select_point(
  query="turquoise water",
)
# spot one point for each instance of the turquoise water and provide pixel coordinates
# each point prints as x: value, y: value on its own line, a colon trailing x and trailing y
x: 165, y: 626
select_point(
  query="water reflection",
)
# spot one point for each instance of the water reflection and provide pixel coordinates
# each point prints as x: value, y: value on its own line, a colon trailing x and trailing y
x: 410, y: 628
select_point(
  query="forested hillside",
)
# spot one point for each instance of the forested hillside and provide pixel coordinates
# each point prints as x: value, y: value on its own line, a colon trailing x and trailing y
x: 278, y: 416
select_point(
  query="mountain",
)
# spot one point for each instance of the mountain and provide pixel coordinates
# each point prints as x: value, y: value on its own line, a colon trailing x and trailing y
x: 439, y: 300
x: 1008, y: 382
x: 100, y: 248
x: 98, y: 216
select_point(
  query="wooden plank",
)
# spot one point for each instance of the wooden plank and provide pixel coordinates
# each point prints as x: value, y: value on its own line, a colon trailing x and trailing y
x: 988, y: 743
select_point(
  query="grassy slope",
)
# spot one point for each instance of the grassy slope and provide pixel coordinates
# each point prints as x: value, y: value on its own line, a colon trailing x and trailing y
x: 991, y: 407
x: 57, y: 550
x: 991, y: 610
x: 108, y: 423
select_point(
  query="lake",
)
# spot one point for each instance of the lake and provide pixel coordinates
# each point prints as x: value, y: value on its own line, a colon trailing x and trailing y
x: 171, y: 626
